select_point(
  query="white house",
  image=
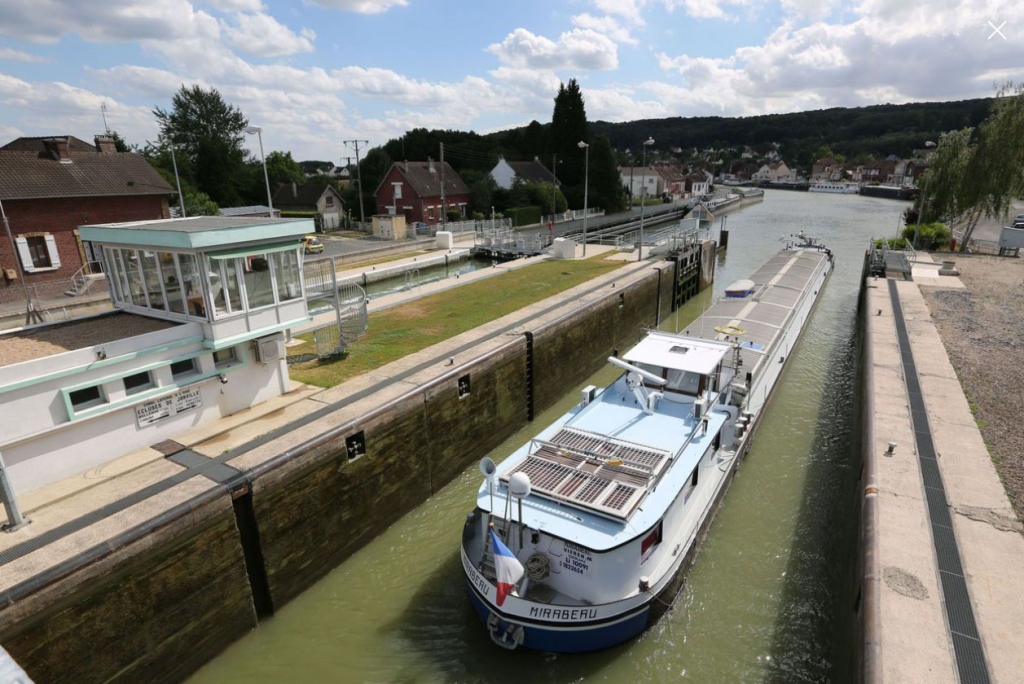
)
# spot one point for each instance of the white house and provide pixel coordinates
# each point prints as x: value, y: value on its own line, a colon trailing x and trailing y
x: 639, y: 180
x: 201, y: 305
x: 505, y: 173
x: 774, y: 172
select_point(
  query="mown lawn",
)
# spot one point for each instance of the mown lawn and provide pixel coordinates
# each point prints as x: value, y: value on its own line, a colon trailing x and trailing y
x: 408, y: 328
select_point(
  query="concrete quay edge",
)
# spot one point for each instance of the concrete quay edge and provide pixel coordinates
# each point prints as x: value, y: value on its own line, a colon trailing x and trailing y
x: 906, y: 633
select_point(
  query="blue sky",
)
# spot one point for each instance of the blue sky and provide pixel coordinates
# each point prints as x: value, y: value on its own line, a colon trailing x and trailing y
x: 316, y: 72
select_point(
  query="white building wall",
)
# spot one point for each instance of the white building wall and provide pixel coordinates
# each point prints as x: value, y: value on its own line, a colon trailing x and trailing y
x: 42, y: 444
x: 503, y: 175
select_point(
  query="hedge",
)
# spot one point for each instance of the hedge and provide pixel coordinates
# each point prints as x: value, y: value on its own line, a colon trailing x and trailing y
x: 524, y: 216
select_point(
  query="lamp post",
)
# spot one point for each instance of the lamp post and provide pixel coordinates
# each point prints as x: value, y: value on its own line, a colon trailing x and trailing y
x: 643, y: 195
x: 181, y: 197
x: 586, y: 187
x: 258, y: 130
x: 924, y: 196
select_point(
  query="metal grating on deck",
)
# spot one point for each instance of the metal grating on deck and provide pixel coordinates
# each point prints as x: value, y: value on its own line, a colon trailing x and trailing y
x: 593, y: 471
x: 967, y: 647
x: 608, y: 448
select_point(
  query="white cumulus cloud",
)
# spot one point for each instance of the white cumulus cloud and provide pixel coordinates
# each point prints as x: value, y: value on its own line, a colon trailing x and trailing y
x: 609, y: 26
x: 263, y: 35
x: 575, y: 49
x: 360, y: 6
x: 19, y: 56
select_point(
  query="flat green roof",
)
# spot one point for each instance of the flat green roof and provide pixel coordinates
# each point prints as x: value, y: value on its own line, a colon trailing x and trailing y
x: 199, y: 233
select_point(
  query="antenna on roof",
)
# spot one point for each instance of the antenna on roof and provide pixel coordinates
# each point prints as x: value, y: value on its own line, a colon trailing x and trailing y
x: 103, y: 113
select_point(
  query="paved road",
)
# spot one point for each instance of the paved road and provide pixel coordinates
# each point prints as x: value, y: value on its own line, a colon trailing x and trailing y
x: 338, y: 246
x: 596, y: 222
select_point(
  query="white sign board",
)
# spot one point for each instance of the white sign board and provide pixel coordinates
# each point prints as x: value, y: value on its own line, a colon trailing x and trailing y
x: 154, y: 411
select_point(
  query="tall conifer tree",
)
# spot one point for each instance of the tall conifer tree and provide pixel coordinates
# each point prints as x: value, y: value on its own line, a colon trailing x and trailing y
x: 568, y: 128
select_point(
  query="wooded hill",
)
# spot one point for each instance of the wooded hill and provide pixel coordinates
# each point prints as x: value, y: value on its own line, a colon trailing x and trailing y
x: 877, y: 131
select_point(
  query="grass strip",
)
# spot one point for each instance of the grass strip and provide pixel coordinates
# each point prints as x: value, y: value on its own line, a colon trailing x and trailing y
x: 402, y: 330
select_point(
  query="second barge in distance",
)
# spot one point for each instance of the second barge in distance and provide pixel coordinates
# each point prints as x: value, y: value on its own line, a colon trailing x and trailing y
x: 581, y: 538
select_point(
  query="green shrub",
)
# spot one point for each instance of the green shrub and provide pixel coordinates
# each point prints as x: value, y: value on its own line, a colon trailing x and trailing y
x: 894, y: 243
x: 318, y: 218
x: 931, y: 237
x: 524, y: 216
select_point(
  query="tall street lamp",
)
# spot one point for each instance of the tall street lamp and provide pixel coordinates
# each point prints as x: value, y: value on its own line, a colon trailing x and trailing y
x: 258, y: 130
x: 924, y: 196
x: 177, y: 180
x: 586, y: 186
x: 643, y: 195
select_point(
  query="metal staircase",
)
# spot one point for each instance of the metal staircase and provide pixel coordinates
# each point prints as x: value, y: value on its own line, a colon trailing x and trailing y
x: 347, y: 300
x: 82, y: 281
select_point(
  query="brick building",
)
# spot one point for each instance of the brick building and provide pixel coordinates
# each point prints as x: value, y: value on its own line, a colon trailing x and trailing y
x: 413, y: 189
x: 51, y: 186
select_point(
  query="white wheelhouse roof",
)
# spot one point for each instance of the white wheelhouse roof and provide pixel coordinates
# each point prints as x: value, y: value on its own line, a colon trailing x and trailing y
x: 679, y: 353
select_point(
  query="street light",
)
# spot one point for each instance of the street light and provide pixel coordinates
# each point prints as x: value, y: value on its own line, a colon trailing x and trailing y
x: 177, y: 180
x: 258, y: 130
x: 586, y: 187
x: 643, y: 195
x: 924, y: 196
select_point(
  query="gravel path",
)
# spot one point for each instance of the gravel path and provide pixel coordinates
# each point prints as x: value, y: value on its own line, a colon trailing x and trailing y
x: 982, y: 328
x: 49, y: 340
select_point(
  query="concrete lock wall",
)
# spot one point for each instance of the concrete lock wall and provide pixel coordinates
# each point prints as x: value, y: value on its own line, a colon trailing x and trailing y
x: 153, y: 610
x: 162, y: 603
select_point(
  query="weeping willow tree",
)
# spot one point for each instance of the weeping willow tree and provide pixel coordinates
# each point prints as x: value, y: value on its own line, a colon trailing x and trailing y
x: 978, y: 172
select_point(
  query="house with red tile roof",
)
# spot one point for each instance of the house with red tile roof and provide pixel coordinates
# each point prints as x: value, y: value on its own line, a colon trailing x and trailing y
x: 413, y: 189
x: 49, y: 186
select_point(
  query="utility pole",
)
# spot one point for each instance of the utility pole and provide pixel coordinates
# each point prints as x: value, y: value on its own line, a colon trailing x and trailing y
x: 31, y: 315
x: 444, y: 203
x: 359, y: 173
x: 631, y: 162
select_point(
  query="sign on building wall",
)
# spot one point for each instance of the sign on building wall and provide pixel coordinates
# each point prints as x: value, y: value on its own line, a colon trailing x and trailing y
x: 154, y: 411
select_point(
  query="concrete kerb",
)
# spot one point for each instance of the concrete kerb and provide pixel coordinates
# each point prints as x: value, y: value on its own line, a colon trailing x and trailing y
x: 872, y: 624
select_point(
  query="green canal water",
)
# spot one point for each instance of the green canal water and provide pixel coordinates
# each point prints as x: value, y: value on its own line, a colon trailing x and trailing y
x: 769, y: 597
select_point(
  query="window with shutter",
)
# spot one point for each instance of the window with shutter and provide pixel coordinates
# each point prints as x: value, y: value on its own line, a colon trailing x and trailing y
x: 37, y: 252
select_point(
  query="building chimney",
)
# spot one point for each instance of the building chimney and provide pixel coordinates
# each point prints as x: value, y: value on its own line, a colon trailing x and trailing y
x: 430, y: 163
x: 105, y: 144
x: 406, y: 167
x: 58, y: 149
x: 295, y: 190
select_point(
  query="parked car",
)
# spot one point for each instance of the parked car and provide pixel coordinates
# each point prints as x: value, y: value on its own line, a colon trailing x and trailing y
x: 312, y: 244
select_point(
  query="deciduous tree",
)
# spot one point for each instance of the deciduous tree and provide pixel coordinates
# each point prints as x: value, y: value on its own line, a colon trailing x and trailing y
x: 208, y: 132
x: 978, y: 172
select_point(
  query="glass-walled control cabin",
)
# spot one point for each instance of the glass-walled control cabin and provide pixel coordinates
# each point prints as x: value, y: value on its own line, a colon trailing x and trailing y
x: 241, y: 277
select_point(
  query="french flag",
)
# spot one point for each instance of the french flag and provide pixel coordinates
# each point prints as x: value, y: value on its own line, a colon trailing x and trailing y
x: 507, y: 567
